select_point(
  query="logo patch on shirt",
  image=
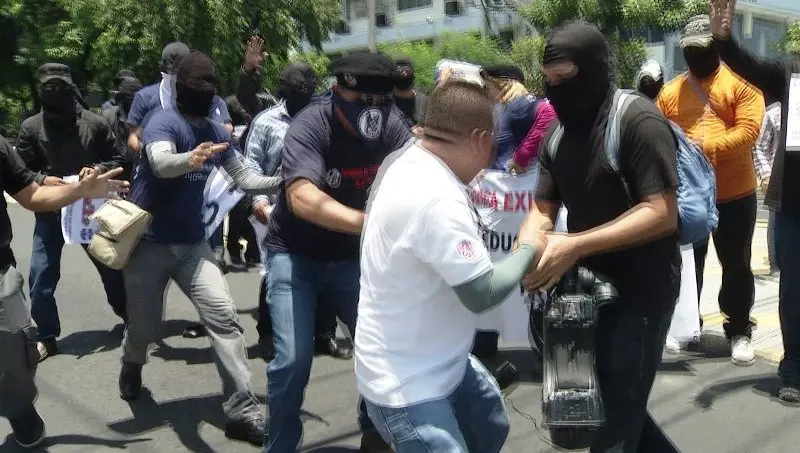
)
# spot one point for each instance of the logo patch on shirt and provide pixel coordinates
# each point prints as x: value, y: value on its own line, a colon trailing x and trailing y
x: 333, y: 178
x: 465, y: 249
x: 370, y: 123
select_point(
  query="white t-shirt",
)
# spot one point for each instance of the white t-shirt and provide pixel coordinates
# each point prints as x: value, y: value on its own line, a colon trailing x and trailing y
x: 421, y: 238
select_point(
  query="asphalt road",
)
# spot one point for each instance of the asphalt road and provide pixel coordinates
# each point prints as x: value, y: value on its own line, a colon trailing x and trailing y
x: 704, y: 403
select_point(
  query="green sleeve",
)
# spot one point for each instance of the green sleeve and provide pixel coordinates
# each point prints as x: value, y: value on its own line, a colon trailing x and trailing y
x: 493, y: 286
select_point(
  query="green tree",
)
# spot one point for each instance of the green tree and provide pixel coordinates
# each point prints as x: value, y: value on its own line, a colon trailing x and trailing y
x: 526, y: 53
x: 617, y: 19
x: 455, y: 46
x: 96, y: 38
x: 791, y: 41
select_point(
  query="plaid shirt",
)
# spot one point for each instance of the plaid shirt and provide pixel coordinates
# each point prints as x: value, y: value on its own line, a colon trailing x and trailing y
x: 768, y: 142
x: 264, y: 144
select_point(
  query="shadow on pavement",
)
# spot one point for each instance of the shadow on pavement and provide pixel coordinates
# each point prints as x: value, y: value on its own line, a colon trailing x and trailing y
x: 183, y: 416
x: 10, y: 445
x: 82, y: 344
x: 765, y: 384
x: 199, y: 354
x: 323, y: 445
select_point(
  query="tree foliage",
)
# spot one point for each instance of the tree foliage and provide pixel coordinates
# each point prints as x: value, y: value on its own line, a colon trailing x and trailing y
x: 617, y: 18
x: 791, y: 41
x: 468, y: 47
x: 96, y: 38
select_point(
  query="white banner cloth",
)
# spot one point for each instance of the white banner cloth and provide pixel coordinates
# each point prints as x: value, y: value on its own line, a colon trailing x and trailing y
x: 76, y: 226
x: 220, y: 197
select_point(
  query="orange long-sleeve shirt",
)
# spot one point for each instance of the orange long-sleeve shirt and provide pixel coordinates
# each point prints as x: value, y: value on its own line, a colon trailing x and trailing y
x: 727, y: 141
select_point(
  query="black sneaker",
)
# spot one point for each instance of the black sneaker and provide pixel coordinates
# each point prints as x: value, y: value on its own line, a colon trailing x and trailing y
x: 46, y: 348
x: 28, y: 429
x: 331, y: 347
x: 130, y: 381
x: 789, y: 393
x: 251, y: 430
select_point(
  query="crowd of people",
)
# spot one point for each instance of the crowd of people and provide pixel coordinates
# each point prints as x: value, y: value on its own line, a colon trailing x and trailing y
x: 405, y: 266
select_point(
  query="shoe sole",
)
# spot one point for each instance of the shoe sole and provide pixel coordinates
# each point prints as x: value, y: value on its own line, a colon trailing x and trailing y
x: 742, y: 363
x: 34, y: 444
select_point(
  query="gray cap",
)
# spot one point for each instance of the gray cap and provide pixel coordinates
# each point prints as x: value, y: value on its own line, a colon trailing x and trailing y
x: 697, y: 33
x: 50, y: 71
x: 172, y: 55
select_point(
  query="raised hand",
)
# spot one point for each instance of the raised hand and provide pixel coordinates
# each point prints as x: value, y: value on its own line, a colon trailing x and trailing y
x: 255, y: 55
x: 721, y: 13
x: 203, y: 152
x: 101, y: 185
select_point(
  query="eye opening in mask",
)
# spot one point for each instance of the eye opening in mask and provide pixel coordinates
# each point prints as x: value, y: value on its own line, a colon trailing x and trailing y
x: 560, y: 72
x: 374, y: 100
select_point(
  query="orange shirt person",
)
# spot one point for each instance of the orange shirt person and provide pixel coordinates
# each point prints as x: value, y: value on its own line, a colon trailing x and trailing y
x: 722, y: 114
x: 725, y: 120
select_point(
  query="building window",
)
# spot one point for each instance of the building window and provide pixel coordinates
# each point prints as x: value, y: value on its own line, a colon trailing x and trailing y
x: 356, y: 9
x: 403, y: 5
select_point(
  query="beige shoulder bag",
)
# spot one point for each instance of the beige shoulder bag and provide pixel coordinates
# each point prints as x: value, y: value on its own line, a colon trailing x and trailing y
x: 120, y: 225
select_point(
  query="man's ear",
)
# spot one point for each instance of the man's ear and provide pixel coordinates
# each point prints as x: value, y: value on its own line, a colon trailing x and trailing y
x: 486, y: 139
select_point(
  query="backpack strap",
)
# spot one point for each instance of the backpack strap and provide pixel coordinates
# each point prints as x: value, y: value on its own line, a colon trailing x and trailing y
x: 555, y: 140
x: 622, y: 100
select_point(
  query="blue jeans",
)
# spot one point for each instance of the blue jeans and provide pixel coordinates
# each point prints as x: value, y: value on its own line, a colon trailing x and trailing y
x: 45, y: 273
x: 294, y: 286
x: 471, y: 419
x: 787, y: 246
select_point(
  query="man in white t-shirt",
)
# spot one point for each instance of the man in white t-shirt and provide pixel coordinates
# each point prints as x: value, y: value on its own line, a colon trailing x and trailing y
x: 425, y: 277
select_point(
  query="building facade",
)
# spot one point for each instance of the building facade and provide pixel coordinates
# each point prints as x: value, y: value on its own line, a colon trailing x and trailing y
x: 760, y: 25
x: 421, y: 20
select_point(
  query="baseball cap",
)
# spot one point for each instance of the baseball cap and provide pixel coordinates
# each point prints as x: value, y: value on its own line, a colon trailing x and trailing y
x: 50, y: 71
x: 697, y: 33
x: 365, y: 72
x: 650, y: 68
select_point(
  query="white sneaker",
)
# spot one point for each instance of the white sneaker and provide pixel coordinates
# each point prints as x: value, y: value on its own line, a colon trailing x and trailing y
x: 673, y: 346
x: 742, y: 352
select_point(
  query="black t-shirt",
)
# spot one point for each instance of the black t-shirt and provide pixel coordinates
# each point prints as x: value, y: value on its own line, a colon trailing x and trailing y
x: 319, y: 149
x: 581, y: 177
x: 13, y: 178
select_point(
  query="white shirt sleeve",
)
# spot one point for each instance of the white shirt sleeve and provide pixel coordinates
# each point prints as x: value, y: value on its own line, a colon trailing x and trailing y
x: 446, y: 237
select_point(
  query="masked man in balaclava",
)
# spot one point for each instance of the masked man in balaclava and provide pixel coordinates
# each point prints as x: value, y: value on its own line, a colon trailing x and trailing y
x: 121, y: 75
x: 631, y: 240
x: 117, y: 117
x: 182, y: 146
x: 722, y: 114
x: 62, y: 140
x: 162, y: 94
x: 331, y: 154
x: 296, y: 86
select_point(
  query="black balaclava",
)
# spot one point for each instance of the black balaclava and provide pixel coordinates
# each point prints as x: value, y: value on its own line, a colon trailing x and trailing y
x: 58, y: 100
x: 404, y: 78
x: 196, y: 85
x: 650, y: 87
x: 578, y: 99
x: 701, y: 61
x: 296, y: 86
x: 128, y: 86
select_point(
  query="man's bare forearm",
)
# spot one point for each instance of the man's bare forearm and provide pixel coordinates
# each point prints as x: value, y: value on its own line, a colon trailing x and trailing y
x: 640, y: 225
x: 48, y: 198
x: 310, y: 203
